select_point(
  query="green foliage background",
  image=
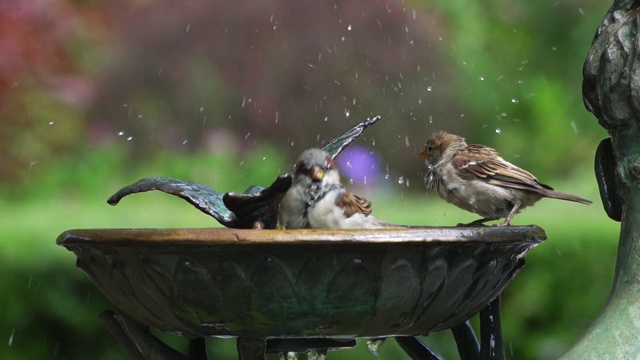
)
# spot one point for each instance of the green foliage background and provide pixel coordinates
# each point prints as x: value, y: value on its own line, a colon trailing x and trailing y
x: 503, y: 73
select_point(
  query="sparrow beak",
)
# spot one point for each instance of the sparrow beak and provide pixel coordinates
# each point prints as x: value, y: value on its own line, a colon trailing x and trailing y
x: 424, y: 154
x: 316, y: 173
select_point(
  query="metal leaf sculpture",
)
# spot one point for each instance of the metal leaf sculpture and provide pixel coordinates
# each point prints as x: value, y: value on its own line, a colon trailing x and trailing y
x: 255, y: 208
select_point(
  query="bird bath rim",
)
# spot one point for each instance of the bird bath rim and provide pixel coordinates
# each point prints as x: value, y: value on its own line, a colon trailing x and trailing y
x: 227, y: 236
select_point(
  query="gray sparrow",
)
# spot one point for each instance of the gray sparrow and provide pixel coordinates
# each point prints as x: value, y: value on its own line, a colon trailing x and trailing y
x: 317, y: 199
x: 475, y: 178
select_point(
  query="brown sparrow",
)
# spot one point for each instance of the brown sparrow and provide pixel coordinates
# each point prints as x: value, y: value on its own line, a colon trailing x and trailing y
x: 475, y: 178
x: 317, y: 199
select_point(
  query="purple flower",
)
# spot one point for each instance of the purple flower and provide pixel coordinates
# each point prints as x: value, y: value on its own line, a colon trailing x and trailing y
x: 360, y: 165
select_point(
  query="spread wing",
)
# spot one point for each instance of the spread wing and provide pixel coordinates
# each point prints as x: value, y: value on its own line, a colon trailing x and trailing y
x: 353, y: 204
x: 484, y: 163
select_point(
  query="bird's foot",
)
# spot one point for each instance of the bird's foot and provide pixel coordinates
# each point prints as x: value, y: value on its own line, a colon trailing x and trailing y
x: 477, y: 223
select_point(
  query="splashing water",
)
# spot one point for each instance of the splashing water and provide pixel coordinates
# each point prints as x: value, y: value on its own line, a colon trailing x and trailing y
x: 373, y: 345
x: 292, y: 355
x: 312, y: 355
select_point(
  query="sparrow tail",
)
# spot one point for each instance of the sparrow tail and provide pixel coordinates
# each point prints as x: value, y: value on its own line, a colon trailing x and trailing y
x: 564, y: 196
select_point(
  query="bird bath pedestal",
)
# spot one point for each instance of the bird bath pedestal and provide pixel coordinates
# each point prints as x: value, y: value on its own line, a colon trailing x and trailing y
x: 302, y: 290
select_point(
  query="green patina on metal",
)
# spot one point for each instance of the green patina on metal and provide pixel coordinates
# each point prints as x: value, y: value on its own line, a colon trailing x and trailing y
x: 263, y: 284
x: 611, y: 91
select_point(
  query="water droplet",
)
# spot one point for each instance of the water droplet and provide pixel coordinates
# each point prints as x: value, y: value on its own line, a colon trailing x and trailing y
x: 429, y: 88
x: 430, y: 119
x: 130, y: 138
x: 13, y: 332
x: 580, y: 11
x: 349, y: 27
x: 574, y: 126
x: 349, y: 164
x: 185, y: 142
x: 247, y: 136
x: 481, y: 78
x: 401, y: 180
x: 350, y: 181
x: 343, y: 38
x: 346, y: 112
x: 50, y: 122
x: 139, y: 116
x: 120, y: 133
x: 277, y: 115
x: 515, y: 101
x: 498, y: 131
x: 326, y: 118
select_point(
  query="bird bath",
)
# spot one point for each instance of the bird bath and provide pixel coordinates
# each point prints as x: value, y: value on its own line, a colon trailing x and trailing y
x: 297, y: 290
x: 263, y: 285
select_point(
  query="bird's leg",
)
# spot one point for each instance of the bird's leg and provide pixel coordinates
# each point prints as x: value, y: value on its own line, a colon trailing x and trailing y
x: 513, y: 212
